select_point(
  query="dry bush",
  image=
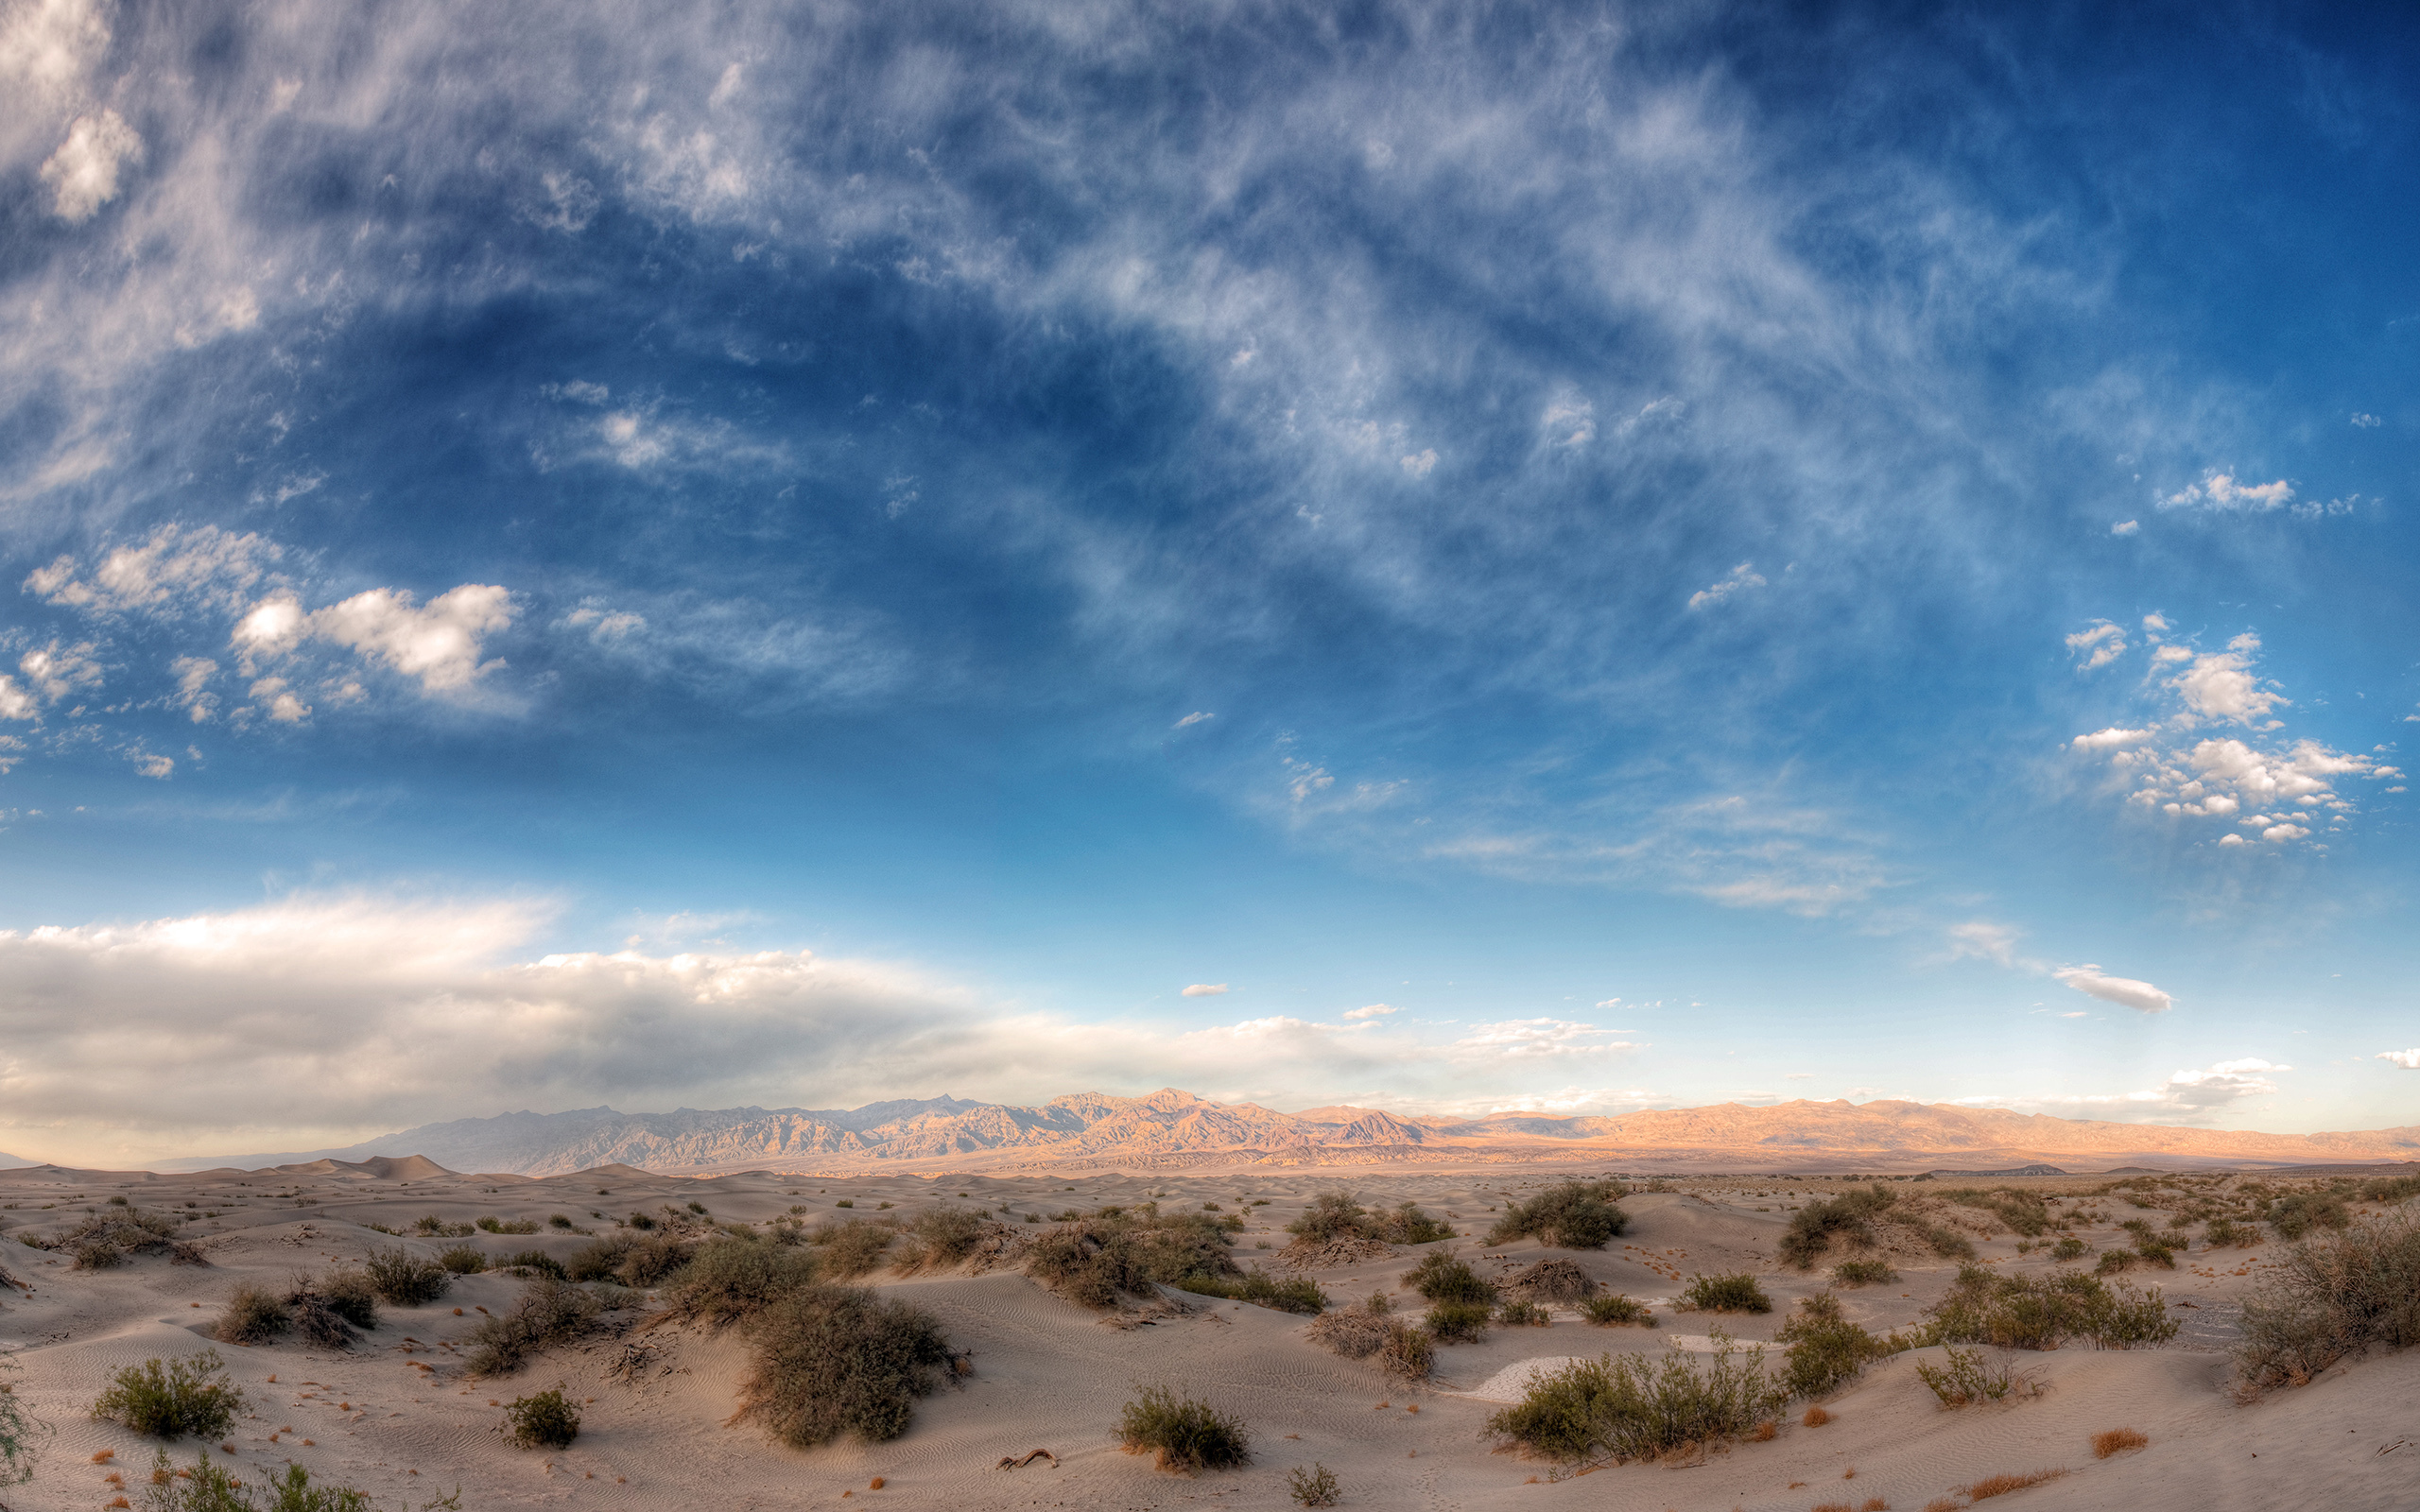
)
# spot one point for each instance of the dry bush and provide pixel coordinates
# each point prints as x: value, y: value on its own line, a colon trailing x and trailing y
x: 2297, y: 1214
x: 103, y: 1240
x: 1574, y: 1216
x: 1335, y: 1215
x: 2116, y: 1441
x: 834, y: 1360
x: 1608, y: 1311
x: 1736, y: 1292
x: 463, y: 1259
x: 348, y: 1292
x: 1849, y: 1216
x: 1620, y: 1407
x: 321, y: 1325
x: 548, y: 1312
x: 1551, y: 1281
x: 405, y: 1280
x: 172, y: 1400
x: 2024, y: 1211
x: 1315, y: 1486
x: 2329, y: 1296
x: 1185, y: 1434
x: 939, y: 1239
x: 729, y: 1280
x: 252, y: 1315
x: 1966, y: 1378
x: 1816, y: 1418
x: 1992, y: 1485
x: 2038, y: 1313
x: 1095, y: 1260
x: 854, y: 1248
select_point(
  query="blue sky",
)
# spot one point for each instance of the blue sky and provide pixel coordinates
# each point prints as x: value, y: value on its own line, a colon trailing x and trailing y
x: 1561, y: 557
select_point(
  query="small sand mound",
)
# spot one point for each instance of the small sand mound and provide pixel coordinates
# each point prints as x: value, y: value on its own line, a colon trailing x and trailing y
x: 1512, y: 1382
x: 1306, y: 1254
x: 1551, y: 1281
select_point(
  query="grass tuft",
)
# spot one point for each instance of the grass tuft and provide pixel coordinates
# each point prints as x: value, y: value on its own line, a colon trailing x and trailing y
x: 2116, y: 1441
x: 253, y: 1314
x: 1609, y: 1312
x: 1185, y: 1434
x: 1621, y: 1408
x: 546, y: 1420
x: 1863, y: 1273
x: 1736, y: 1291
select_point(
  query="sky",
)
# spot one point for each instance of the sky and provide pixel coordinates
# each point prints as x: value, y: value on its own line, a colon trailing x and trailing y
x: 1453, y: 558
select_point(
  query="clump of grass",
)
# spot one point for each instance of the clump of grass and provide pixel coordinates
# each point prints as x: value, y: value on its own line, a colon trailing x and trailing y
x: 1185, y: 1434
x: 2116, y: 1262
x: 1965, y: 1378
x: 548, y: 1312
x: 252, y: 1315
x: 1315, y: 1486
x: 729, y: 1280
x: 1573, y: 1215
x: 350, y: 1296
x: 463, y: 1259
x: 2116, y: 1441
x: 546, y: 1420
x: 1863, y: 1273
x: 1518, y: 1315
x: 2222, y: 1231
x: 1551, y: 1281
x: 1992, y: 1485
x: 1621, y: 1408
x: 490, y: 1224
x: 207, y: 1487
x: 2332, y: 1296
x: 1457, y: 1322
x: 171, y: 1399
x: 404, y: 1279
x: 433, y: 1226
x: 1848, y: 1217
x: 1443, y: 1277
x: 835, y: 1360
x: 1609, y: 1312
x: 1293, y: 1293
x: 1826, y: 1350
x: 2069, y: 1249
x: 1736, y: 1291
x: 854, y: 1248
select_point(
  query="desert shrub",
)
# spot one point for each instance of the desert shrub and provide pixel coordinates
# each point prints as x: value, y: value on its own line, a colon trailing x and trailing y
x: 2331, y: 1297
x: 1331, y: 1215
x: 2116, y: 1262
x: 2298, y: 1212
x: 1621, y: 1407
x: 2157, y: 1249
x: 1965, y: 1377
x: 1574, y: 1216
x: 2038, y: 1313
x: 2221, y: 1231
x: 854, y: 1248
x: 1849, y: 1216
x: 652, y: 1261
x: 1409, y: 1224
x: 404, y: 1279
x: 642, y: 1222
x: 729, y: 1280
x: 534, y: 1263
x: 1863, y: 1273
x: 1452, y: 1322
x: 1315, y: 1486
x: 1607, y: 1311
x: 1092, y: 1261
x: 2116, y: 1441
x: 1948, y: 1243
x: 546, y: 1420
x: 463, y: 1259
x: 1518, y: 1315
x: 2024, y: 1211
x: 348, y: 1293
x: 2391, y: 1188
x: 508, y: 1226
x: 943, y: 1237
x: 252, y: 1315
x: 169, y: 1399
x: 1825, y: 1352
x: 600, y: 1260
x: 560, y: 1220
x: 1409, y: 1352
x: 321, y: 1325
x: 1442, y: 1277
x: 103, y: 1240
x: 1736, y: 1292
x: 1552, y: 1281
x: 548, y: 1312
x: 20, y: 1433
x: 1361, y: 1332
x: 1184, y: 1432
x: 834, y: 1360
x: 2070, y: 1249
x: 1294, y: 1294
x: 97, y: 1254
x: 433, y: 1226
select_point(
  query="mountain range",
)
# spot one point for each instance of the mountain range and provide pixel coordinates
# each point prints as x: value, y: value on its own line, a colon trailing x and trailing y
x: 1171, y: 1129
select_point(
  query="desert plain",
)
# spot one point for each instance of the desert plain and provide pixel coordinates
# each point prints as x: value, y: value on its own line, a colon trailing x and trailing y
x: 401, y: 1415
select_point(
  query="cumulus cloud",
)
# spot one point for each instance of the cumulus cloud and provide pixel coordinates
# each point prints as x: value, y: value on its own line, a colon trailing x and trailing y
x: 2124, y: 991
x: 82, y: 174
x: 1205, y: 990
x: 2221, y: 492
x: 2127, y: 527
x: 438, y: 643
x: 2113, y: 738
x: 1740, y: 581
x: 2364, y: 421
x: 1374, y: 1010
x: 2221, y: 684
x: 2096, y: 646
x: 2408, y: 1060
x: 2191, y: 1096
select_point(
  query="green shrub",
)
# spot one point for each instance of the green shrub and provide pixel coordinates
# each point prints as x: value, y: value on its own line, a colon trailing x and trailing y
x: 2039, y: 1313
x: 253, y: 1315
x: 1185, y: 1434
x: 1863, y: 1273
x: 834, y: 1360
x: 1948, y: 1243
x: 548, y: 1312
x: 730, y: 1279
x: 941, y: 1238
x: 560, y: 1220
x: 463, y: 1259
x: 1621, y: 1408
x: 1607, y: 1311
x: 1965, y: 1378
x: 2024, y: 1211
x: 2157, y: 1251
x: 404, y: 1279
x: 1573, y: 1215
x: 2390, y: 1189
x: 1294, y: 1294
x: 2070, y: 1249
x: 1451, y: 1322
x: 1315, y: 1486
x: 2223, y: 1231
x: 642, y: 1222
x: 508, y: 1226
x: 854, y: 1248
x: 349, y: 1295
x: 1093, y: 1260
x: 653, y: 1261
x: 1736, y: 1291
x: 1522, y: 1315
x: 434, y: 1227
x: 173, y: 1399
x: 2298, y: 1212
x: 546, y: 1420
x: 2332, y: 1296
x: 1331, y: 1215
x: 2116, y: 1262
x: 1849, y: 1216
x: 534, y: 1263
x: 20, y: 1432
x: 1442, y: 1277
x: 1825, y: 1352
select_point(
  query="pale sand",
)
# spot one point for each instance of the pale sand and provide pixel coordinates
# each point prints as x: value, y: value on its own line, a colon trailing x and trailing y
x: 1051, y: 1375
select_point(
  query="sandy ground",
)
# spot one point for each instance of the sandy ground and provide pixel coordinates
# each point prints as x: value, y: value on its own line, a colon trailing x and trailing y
x: 398, y: 1417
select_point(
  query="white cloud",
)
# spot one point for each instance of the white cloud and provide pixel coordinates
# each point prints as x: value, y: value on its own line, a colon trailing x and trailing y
x: 1528, y: 1038
x: 2220, y: 685
x: 1205, y: 989
x: 55, y: 671
x: 1420, y: 464
x: 1983, y: 941
x: 1374, y: 1010
x: 2365, y: 421
x: 175, y: 571
x: 2188, y: 1094
x: 438, y: 644
x: 1194, y: 718
x: 193, y: 687
x: 2112, y: 738
x: 1740, y: 579
x: 2124, y: 991
x: 2408, y: 1060
x: 1570, y: 422
x: 2098, y: 646
x: 2127, y: 527
x: 15, y: 702
x: 2220, y: 490
x: 2157, y: 624
x: 82, y: 174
